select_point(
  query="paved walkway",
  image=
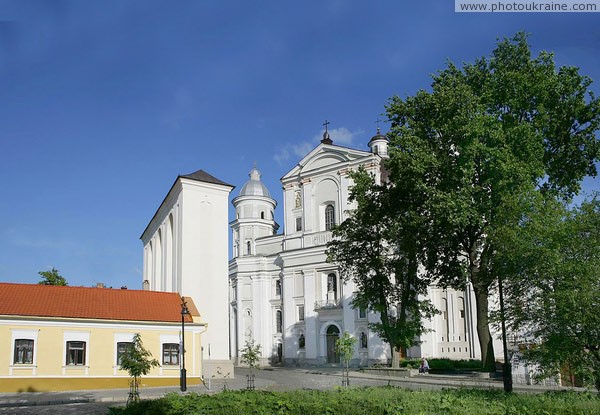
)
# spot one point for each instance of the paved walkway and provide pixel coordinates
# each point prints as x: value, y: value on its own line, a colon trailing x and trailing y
x: 97, y: 402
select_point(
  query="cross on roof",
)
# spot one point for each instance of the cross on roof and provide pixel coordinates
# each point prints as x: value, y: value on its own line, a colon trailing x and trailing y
x: 326, y: 123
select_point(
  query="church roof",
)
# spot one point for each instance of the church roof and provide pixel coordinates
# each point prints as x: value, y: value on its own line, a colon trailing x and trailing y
x: 203, y: 176
x: 378, y: 136
x: 36, y: 300
x: 254, y: 187
x: 200, y: 176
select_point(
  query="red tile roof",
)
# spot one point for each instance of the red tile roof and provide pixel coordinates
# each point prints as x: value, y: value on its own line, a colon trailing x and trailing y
x: 91, y: 303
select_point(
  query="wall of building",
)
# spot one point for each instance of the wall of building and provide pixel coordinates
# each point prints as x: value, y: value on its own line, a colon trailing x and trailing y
x: 50, y: 371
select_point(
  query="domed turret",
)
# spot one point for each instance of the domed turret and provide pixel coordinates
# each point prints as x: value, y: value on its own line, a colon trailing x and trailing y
x: 255, y: 217
x: 254, y: 187
x: 379, y: 144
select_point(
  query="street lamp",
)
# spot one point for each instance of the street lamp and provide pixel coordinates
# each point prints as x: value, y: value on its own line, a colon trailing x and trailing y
x: 507, y: 366
x: 184, y: 312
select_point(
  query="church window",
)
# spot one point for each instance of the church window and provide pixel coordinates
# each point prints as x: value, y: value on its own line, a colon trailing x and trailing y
x: 329, y: 218
x: 121, y: 349
x: 301, y: 342
x: 262, y: 215
x: 248, y: 248
x: 364, y: 341
x: 75, y: 353
x: 298, y: 224
x: 278, y: 288
x: 278, y: 321
x: 301, y: 312
x: 23, y: 352
x: 362, y: 313
x: 170, y: 354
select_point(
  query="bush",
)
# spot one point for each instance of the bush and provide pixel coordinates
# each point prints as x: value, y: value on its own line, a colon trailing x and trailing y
x: 385, y: 400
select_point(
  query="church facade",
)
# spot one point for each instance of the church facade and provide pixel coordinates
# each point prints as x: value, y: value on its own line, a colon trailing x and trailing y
x: 283, y: 293
x: 277, y: 289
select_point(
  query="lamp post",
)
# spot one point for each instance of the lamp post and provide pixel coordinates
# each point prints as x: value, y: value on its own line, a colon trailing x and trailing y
x: 184, y: 312
x: 507, y: 366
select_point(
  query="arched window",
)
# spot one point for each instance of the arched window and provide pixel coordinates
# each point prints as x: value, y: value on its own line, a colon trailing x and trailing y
x: 278, y: 288
x: 278, y: 322
x: 262, y: 215
x: 329, y: 218
x: 364, y: 341
x: 248, y: 248
x: 301, y: 342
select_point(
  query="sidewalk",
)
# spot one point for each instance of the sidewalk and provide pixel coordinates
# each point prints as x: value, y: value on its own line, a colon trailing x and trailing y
x: 262, y: 382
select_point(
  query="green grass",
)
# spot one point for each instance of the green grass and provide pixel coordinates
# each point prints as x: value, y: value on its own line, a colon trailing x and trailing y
x: 385, y: 400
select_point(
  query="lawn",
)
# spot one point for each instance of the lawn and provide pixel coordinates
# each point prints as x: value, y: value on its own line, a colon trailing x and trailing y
x: 385, y: 400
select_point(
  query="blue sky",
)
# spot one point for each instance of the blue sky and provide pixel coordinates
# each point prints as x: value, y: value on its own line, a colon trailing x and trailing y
x: 104, y: 103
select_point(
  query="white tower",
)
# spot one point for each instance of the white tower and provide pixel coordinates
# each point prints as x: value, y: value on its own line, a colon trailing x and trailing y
x: 254, y: 215
x: 185, y: 251
x: 379, y: 144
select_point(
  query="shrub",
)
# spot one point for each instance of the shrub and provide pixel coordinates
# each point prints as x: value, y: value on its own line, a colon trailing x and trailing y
x: 384, y: 400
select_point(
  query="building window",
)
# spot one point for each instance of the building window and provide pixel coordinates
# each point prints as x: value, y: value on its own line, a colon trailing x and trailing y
x: 329, y: 218
x: 170, y: 354
x: 262, y: 215
x: 248, y: 248
x: 75, y: 353
x: 278, y: 322
x: 301, y: 312
x: 121, y: 349
x: 23, y: 352
x: 278, y: 288
x: 362, y: 313
x: 298, y: 224
x: 364, y: 341
x: 301, y: 342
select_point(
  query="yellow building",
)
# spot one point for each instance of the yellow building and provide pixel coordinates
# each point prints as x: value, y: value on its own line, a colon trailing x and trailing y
x: 65, y: 338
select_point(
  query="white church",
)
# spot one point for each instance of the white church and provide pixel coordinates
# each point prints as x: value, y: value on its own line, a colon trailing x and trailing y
x: 277, y: 288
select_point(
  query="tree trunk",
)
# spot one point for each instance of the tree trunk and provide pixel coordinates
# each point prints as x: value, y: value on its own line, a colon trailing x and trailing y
x: 395, y: 358
x: 483, y: 329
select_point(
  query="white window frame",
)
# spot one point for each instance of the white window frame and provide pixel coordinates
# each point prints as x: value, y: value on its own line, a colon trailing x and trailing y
x: 76, y: 336
x: 18, y: 334
x: 165, y: 339
x: 120, y: 338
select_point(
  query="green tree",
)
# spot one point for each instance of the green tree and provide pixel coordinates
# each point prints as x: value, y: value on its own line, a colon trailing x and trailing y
x: 554, y: 257
x: 138, y: 362
x: 52, y: 277
x: 344, y: 347
x: 486, y: 136
x: 377, y: 247
x: 251, y: 354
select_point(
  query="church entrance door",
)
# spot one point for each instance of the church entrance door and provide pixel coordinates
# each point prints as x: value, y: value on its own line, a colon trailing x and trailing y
x: 333, y: 333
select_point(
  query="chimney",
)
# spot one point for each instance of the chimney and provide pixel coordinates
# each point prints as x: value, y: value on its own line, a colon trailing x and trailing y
x: 124, y: 287
x: 100, y: 285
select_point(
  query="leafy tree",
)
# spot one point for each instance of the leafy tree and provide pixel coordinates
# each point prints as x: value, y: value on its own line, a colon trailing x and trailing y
x: 52, y: 277
x: 554, y: 257
x: 251, y: 354
x: 377, y: 247
x: 344, y: 347
x: 138, y: 362
x: 486, y: 136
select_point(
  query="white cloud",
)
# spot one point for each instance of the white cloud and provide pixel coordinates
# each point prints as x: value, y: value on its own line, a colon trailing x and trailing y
x: 341, y: 136
x: 281, y: 156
